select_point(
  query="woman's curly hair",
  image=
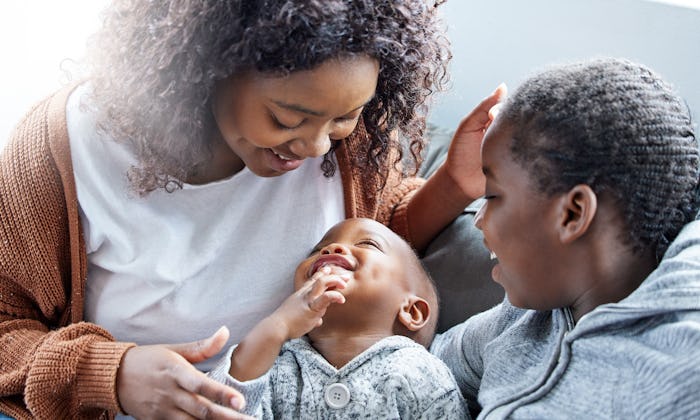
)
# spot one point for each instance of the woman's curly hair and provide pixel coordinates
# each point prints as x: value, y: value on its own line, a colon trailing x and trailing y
x: 154, y: 65
x: 618, y: 127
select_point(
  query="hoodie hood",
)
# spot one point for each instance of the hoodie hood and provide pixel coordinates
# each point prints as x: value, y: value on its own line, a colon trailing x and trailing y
x: 672, y: 287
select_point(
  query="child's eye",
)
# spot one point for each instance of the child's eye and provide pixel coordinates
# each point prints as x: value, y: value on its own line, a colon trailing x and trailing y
x: 369, y: 242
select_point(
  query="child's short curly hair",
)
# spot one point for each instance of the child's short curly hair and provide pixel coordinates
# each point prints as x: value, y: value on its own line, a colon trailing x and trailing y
x: 155, y: 63
x: 618, y: 127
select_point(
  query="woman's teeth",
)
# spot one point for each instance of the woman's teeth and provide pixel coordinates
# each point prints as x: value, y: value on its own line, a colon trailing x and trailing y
x: 280, y: 156
x: 493, y: 255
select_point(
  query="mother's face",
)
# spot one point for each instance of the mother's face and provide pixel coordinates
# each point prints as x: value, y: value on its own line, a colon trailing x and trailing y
x: 271, y: 124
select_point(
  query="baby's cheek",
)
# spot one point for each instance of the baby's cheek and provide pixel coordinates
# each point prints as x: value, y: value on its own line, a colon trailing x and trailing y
x: 300, y: 275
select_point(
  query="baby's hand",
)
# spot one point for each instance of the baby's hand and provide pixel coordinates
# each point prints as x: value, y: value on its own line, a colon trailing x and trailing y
x: 304, y: 310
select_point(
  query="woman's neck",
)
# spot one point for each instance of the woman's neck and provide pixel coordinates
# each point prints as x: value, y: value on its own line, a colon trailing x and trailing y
x: 223, y: 163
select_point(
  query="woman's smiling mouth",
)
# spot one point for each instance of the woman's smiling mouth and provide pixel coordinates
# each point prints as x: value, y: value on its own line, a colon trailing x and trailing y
x: 284, y: 157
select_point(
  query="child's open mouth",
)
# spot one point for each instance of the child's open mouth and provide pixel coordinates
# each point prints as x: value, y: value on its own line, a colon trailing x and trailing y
x: 336, y: 260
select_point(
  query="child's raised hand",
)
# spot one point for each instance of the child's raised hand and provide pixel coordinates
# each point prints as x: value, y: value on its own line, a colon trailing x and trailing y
x: 304, y: 310
x: 463, y: 162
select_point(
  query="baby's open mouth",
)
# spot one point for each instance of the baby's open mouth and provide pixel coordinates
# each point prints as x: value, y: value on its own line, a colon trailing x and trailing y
x: 330, y: 259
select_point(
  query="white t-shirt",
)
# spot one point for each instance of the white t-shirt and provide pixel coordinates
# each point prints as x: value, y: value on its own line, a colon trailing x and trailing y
x: 174, y: 267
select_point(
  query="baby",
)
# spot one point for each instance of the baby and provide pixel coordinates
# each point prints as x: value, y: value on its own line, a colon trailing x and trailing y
x: 368, y: 309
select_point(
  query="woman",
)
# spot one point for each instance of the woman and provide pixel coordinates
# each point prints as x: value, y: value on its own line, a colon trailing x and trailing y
x: 135, y: 206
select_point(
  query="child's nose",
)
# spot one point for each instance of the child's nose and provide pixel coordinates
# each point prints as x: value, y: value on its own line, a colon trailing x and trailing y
x: 335, y: 249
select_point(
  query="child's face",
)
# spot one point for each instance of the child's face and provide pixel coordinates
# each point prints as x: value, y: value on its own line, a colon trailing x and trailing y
x: 271, y: 124
x: 519, y: 227
x: 375, y: 259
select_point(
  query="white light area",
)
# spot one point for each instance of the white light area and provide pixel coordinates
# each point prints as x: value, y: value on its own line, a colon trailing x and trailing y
x: 37, y: 39
x: 695, y: 4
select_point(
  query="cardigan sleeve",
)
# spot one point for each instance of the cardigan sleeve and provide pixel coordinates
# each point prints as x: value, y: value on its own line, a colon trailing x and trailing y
x: 51, y: 364
x: 367, y: 193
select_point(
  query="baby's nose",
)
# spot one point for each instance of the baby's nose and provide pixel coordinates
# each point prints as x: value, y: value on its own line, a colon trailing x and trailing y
x: 334, y: 249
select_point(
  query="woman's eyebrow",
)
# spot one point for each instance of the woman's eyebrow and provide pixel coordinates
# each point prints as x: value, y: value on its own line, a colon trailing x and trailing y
x: 305, y: 110
x: 299, y: 108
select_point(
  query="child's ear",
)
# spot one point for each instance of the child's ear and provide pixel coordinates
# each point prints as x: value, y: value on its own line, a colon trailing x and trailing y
x: 414, y: 313
x: 578, y: 207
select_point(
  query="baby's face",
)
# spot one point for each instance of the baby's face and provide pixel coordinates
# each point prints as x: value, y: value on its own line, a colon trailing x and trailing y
x: 373, y: 257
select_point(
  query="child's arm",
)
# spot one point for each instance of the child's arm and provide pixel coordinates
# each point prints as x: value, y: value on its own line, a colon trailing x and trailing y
x: 298, y: 314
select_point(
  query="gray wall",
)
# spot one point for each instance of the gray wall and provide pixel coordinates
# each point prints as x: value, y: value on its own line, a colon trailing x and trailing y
x: 505, y: 40
x: 493, y: 41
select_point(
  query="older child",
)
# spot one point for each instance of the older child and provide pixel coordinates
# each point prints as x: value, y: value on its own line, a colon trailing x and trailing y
x: 591, y: 172
x: 369, y: 310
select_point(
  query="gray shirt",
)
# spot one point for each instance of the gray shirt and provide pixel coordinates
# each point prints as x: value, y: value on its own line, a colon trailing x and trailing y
x: 638, y: 358
x: 396, y: 378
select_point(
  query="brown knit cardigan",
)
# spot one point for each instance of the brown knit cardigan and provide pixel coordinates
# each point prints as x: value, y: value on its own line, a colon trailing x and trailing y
x: 52, y: 363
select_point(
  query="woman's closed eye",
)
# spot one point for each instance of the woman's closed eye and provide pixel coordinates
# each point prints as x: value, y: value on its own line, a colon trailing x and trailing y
x: 284, y: 126
x: 347, y: 119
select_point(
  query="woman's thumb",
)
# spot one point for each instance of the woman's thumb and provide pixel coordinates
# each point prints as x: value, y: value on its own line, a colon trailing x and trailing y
x: 200, y: 350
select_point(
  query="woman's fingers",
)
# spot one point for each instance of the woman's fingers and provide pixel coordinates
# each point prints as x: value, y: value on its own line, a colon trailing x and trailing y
x: 205, y: 391
x: 159, y: 381
x: 481, y: 115
x: 200, y: 350
x: 198, y: 407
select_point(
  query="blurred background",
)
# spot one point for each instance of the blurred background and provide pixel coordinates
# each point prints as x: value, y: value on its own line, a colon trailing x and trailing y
x: 43, y: 41
x: 506, y: 40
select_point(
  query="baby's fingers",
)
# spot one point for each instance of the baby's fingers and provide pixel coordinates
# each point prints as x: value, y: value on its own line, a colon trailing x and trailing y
x: 321, y: 303
x: 328, y: 282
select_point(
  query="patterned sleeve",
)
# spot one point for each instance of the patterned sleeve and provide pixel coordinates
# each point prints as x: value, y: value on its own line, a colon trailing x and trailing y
x: 451, y: 406
x: 256, y: 392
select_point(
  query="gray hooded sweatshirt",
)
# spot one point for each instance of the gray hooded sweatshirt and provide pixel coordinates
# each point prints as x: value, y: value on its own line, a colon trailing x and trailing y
x: 638, y: 358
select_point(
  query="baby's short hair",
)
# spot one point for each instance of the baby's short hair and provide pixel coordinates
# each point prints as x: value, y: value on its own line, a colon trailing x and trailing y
x: 618, y: 127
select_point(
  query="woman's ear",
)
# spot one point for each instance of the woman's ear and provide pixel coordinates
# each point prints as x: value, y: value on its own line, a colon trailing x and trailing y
x: 414, y: 313
x: 578, y: 207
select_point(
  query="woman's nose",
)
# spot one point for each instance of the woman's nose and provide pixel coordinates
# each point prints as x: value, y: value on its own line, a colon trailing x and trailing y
x: 315, y: 145
x: 334, y: 249
x: 479, y: 216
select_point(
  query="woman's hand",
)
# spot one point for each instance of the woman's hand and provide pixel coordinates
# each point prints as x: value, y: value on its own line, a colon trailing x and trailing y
x: 159, y: 382
x: 463, y: 162
x: 458, y: 181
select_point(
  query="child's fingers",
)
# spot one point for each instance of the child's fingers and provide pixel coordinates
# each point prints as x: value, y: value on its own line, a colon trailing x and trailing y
x: 323, y: 283
x: 321, y: 303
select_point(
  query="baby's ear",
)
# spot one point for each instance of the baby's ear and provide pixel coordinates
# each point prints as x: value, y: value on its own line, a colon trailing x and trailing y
x: 414, y: 313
